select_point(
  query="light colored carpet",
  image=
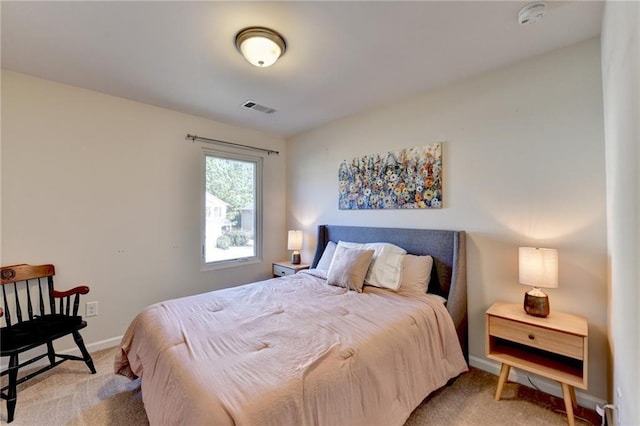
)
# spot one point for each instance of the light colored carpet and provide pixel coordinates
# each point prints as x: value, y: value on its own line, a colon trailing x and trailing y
x: 70, y: 395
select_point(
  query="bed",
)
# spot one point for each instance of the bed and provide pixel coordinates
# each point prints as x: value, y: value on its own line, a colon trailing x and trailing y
x: 295, y: 350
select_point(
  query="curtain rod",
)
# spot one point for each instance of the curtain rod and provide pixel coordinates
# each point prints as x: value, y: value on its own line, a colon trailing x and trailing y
x: 194, y: 138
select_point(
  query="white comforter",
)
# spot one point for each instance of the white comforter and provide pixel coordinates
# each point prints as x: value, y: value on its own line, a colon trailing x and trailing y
x: 290, y: 351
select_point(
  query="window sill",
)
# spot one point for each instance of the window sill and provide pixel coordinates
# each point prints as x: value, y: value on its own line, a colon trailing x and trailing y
x: 232, y: 263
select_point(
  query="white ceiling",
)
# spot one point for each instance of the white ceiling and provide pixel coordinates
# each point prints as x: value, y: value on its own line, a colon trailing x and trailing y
x: 342, y: 57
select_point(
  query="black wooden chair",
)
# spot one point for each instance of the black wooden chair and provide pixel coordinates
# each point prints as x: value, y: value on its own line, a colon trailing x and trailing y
x: 30, y: 288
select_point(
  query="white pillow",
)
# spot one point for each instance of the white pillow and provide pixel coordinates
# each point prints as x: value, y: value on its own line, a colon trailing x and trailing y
x: 416, y: 273
x: 385, y: 270
x: 327, y: 256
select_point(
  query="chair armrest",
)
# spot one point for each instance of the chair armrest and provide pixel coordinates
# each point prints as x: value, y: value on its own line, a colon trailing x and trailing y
x: 83, y: 289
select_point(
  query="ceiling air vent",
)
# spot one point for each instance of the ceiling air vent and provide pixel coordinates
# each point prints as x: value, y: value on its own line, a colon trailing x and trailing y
x: 258, y: 107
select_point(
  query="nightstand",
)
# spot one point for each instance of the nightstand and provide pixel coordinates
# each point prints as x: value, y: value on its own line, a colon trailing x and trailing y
x: 280, y: 269
x: 554, y: 347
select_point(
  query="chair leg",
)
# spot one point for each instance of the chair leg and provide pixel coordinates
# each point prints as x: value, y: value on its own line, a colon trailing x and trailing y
x: 12, y: 395
x: 85, y: 354
x: 51, y: 353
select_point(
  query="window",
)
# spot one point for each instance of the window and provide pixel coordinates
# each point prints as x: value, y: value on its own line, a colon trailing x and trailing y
x: 232, y: 210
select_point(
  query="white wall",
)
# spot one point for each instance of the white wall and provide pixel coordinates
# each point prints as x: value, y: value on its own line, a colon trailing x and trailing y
x: 85, y: 175
x: 621, y: 93
x: 523, y: 165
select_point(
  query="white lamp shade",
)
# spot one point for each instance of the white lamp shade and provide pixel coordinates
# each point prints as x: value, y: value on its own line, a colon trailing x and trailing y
x: 295, y: 240
x: 538, y: 267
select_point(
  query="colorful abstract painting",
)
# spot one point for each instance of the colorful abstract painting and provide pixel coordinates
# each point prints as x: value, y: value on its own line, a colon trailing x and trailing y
x: 406, y: 179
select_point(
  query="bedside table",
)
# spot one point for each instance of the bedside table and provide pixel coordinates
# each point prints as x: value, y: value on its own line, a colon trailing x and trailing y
x: 554, y: 347
x: 280, y: 269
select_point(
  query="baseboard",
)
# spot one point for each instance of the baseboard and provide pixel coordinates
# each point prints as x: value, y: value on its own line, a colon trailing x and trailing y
x: 93, y: 347
x: 545, y: 385
x: 102, y: 344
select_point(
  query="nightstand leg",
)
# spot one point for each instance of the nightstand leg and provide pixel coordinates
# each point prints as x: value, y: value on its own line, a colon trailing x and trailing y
x: 573, y: 397
x: 567, y: 392
x: 504, y: 374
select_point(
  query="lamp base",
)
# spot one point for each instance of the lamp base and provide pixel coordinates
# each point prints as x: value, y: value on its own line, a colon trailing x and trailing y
x: 295, y: 258
x: 537, y: 306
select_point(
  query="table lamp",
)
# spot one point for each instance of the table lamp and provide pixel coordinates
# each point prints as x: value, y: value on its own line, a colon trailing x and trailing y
x: 294, y: 243
x: 538, y: 267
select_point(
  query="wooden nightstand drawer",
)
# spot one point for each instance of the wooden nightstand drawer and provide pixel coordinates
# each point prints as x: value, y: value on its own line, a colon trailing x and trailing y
x: 537, y: 337
x: 281, y: 271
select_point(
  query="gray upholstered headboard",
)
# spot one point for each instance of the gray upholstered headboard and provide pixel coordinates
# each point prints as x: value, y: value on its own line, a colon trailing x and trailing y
x: 449, y: 275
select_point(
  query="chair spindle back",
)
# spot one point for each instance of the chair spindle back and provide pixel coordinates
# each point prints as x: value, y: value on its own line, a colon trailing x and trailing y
x: 32, y: 287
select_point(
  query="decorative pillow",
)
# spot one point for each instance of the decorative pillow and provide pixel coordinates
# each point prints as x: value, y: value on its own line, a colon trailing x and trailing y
x: 327, y: 256
x: 386, y: 267
x: 349, y: 267
x: 416, y: 273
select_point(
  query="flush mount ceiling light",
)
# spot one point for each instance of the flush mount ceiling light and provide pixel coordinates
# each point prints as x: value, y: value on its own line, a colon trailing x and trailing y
x: 260, y: 46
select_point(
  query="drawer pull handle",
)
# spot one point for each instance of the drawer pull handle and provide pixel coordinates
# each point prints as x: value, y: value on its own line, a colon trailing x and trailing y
x: 531, y: 337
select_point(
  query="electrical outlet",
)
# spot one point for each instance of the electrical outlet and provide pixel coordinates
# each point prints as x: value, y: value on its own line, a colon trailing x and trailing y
x: 92, y: 309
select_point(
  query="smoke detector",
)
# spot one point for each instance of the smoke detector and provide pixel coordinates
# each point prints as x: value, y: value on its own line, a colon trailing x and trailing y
x: 532, y: 13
